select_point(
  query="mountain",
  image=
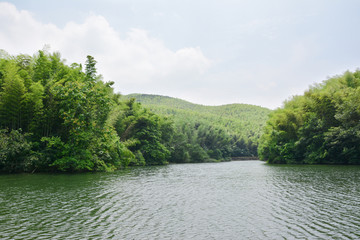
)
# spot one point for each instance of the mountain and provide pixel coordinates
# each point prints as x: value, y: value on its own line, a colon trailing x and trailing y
x: 243, y: 120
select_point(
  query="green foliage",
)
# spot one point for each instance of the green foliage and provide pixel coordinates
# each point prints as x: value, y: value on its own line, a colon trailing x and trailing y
x: 146, y: 131
x: 42, y: 68
x: 208, y: 132
x: 246, y: 121
x: 33, y: 106
x: 90, y: 69
x: 322, y: 126
x: 11, y: 98
x: 16, y: 153
x: 61, y: 118
x: 72, y: 120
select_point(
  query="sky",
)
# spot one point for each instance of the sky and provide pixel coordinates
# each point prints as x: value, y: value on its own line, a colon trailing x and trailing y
x: 209, y: 52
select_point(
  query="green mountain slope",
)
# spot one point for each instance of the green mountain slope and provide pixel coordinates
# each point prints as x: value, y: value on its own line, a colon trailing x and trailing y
x: 241, y: 120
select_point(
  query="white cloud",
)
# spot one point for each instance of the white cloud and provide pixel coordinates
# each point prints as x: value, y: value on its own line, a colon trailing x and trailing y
x: 263, y: 55
x: 135, y: 61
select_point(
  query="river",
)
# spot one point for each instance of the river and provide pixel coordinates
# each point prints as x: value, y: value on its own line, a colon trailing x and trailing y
x: 232, y: 200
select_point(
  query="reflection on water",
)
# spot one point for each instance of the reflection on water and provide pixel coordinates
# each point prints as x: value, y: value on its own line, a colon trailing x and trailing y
x: 235, y: 200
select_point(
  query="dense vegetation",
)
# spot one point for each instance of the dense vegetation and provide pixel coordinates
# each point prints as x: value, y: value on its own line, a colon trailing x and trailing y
x: 209, y: 132
x: 57, y: 117
x: 320, y: 127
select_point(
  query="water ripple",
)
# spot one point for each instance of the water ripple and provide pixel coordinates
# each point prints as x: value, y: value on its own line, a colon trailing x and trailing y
x: 236, y: 200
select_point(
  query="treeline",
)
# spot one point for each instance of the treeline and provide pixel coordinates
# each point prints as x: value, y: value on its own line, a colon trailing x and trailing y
x: 55, y: 117
x: 320, y: 127
x: 58, y: 117
x: 220, y: 132
x: 244, y: 120
x: 199, y: 141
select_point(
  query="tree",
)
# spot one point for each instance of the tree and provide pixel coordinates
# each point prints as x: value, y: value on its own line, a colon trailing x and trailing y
x: 90, y: 69
x: 15, y: 152
x: 11, y: 98
x: 42, y: 68
x: 320, y: 127
x: 33, y: 106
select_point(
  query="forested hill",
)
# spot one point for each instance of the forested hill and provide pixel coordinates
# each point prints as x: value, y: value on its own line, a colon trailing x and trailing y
x: 241, y: 120
x: 322, y: 126
x: 242, y: 112
x: 58, y: 117
x: 244, y: 119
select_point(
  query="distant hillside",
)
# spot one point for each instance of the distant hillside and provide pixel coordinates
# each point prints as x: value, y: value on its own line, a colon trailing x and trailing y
x: 243, y: 120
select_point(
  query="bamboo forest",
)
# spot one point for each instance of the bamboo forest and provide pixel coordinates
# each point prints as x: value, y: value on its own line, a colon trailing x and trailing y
x: 59, y: 117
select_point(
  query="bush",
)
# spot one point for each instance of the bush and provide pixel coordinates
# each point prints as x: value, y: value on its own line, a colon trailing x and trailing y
x: 16, y: 153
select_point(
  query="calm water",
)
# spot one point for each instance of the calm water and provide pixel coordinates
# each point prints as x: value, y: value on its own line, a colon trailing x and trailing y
x: 235, y: 200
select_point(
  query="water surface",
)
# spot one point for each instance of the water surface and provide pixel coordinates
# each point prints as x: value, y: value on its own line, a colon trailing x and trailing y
x: 234, y: 200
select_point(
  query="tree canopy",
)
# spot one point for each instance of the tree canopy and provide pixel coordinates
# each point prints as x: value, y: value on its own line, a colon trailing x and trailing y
x: 206, y: 133
x: 55, y: 117
x: 58, y: 117
x: 320, y: 127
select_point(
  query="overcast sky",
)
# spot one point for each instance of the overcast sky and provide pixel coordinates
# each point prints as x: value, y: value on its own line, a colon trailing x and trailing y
x: 209, y: 52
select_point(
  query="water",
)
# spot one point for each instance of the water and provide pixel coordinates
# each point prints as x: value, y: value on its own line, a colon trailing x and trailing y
x: 235, y: 200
